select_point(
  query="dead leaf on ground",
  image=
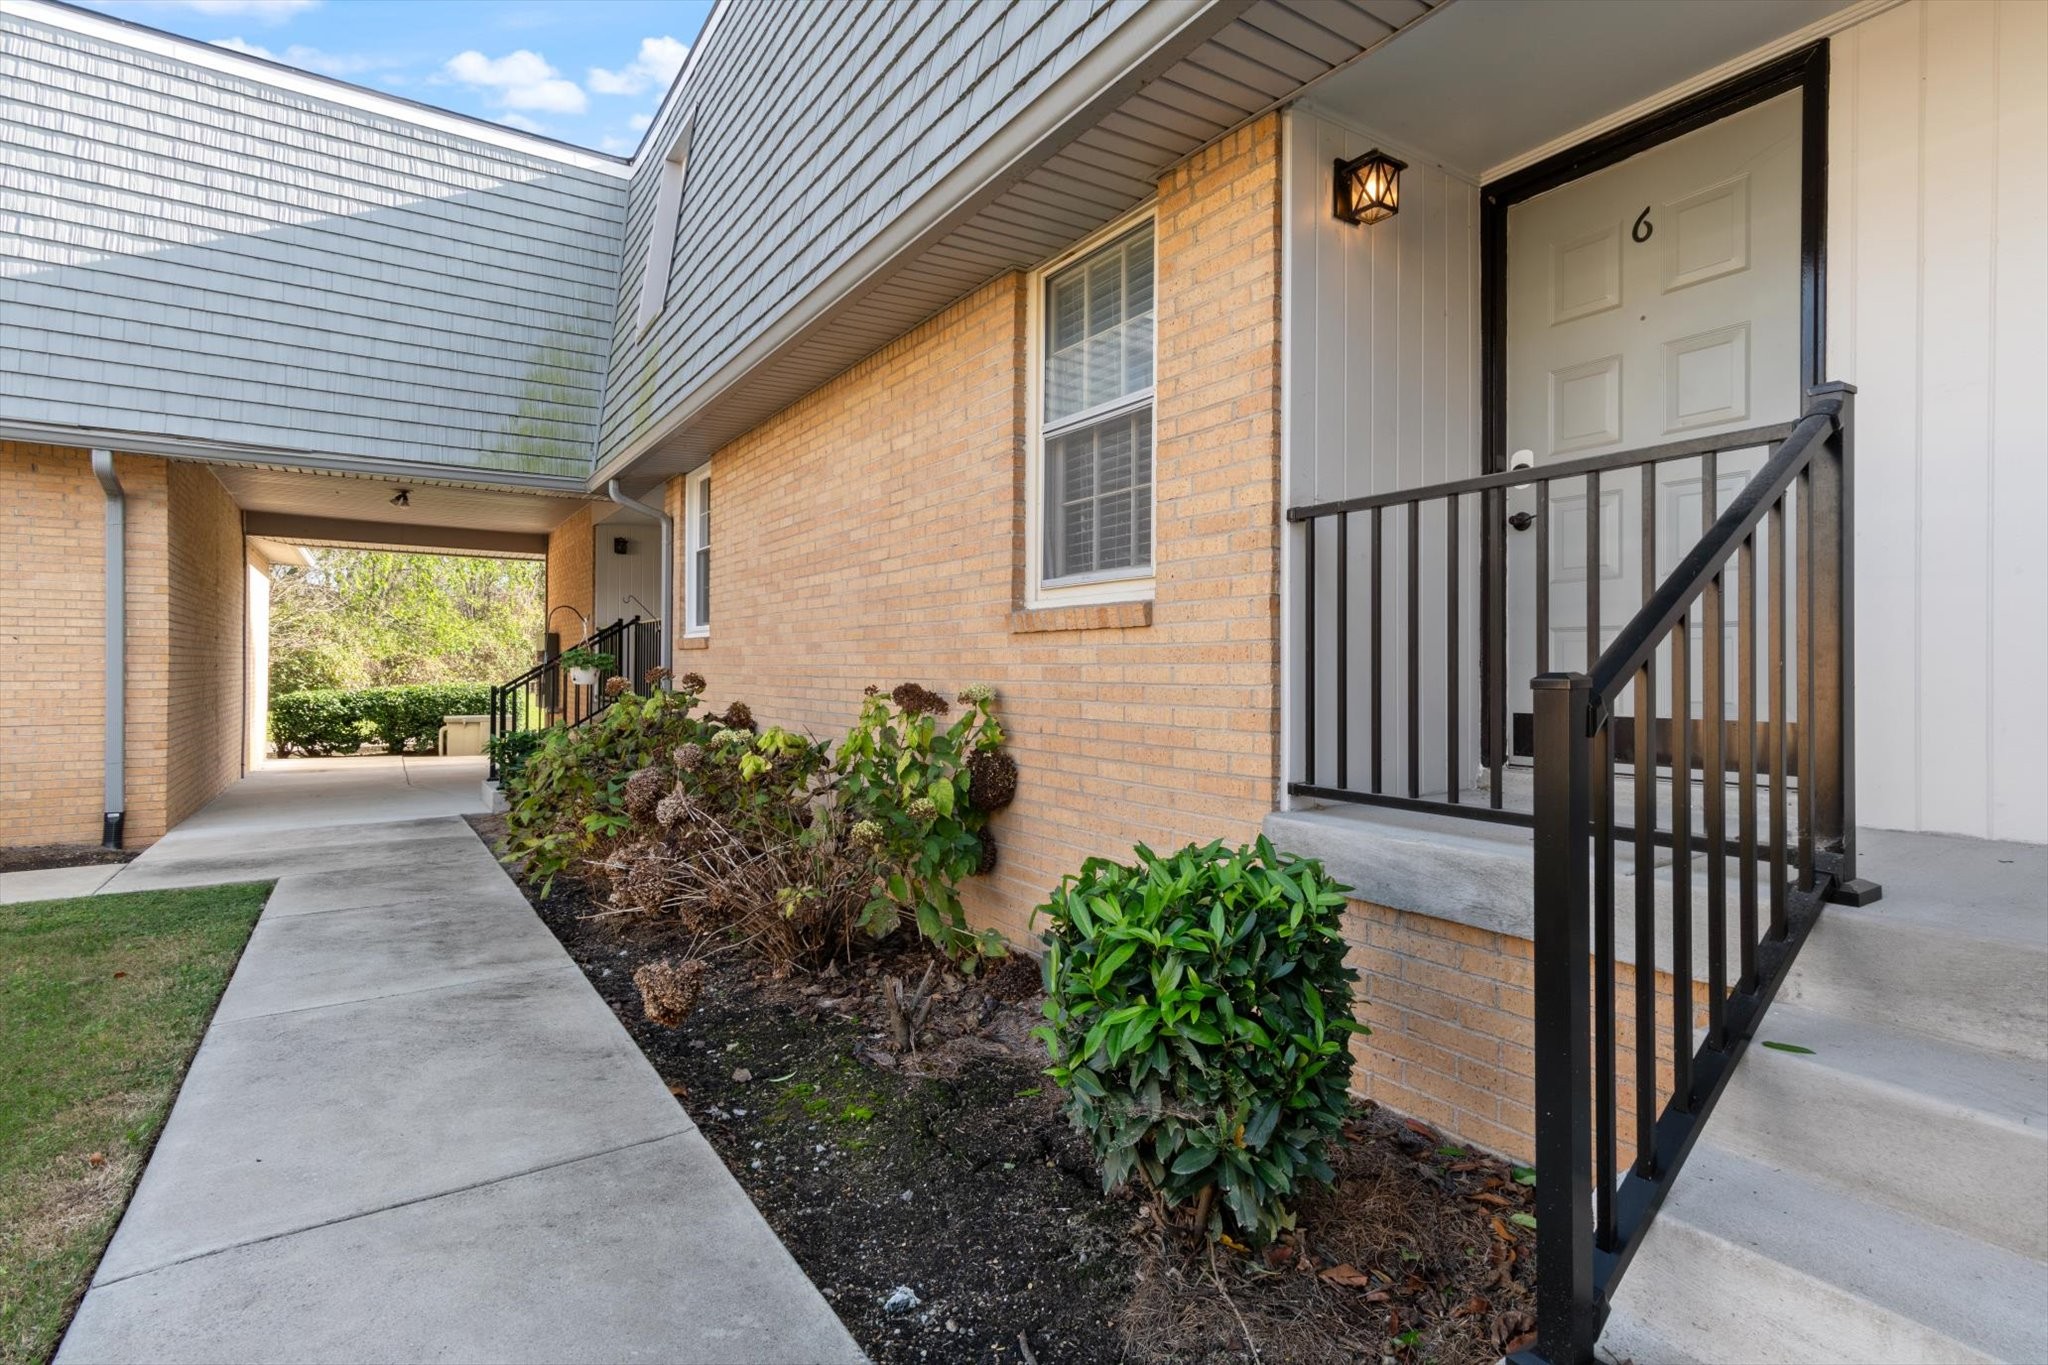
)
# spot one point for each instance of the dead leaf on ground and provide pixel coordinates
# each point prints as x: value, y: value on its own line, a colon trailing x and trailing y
x: 1471, y: 1306
x: 95, y: 1158
x: 1491, y: 1200
x: 1347, y: 1275
x: 1422, y: 1130
x: 1520, y: 1343
x: 1500, y: 1230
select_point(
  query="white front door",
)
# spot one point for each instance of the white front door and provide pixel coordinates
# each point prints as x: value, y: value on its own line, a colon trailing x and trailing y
x: 1647, y: 302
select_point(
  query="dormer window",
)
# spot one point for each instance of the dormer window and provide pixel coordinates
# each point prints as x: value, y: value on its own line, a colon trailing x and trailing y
x: 661, y: 232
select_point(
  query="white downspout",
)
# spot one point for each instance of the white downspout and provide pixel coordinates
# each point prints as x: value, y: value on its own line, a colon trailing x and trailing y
x: 668, y: 567
x: 115, y: 777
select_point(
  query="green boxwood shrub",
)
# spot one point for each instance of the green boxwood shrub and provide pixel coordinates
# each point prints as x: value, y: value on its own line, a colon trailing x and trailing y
x: 331, y: 720
x: 1200, y: 1017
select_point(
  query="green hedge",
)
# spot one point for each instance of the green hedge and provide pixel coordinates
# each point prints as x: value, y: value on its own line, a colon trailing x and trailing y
x: 331, y: 721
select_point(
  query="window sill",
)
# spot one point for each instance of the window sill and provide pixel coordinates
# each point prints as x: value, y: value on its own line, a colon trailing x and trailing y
x: 1095, y: 616
x: 694, y: 642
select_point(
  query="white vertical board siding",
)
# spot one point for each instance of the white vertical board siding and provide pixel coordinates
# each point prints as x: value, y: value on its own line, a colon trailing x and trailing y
x: 634, y: 574
x: 1938, y: 312
x: 191, y: 252
x: 1382, y: 394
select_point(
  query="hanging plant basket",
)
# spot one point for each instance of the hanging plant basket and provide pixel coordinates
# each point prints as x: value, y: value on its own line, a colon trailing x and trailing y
x: 585, y: 665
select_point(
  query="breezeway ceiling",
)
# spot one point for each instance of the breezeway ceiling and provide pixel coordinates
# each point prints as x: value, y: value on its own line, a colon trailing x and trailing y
x: 308, y: 508
x: 1487, y: 81
x: 1256, y: 55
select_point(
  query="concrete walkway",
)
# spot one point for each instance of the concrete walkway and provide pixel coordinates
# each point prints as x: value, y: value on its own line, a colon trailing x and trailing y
x: 413, y: 1130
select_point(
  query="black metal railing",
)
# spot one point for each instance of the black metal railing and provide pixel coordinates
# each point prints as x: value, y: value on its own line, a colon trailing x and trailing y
x: 1791, y: 524
x: 547, y: 695
x: 1386, y: 638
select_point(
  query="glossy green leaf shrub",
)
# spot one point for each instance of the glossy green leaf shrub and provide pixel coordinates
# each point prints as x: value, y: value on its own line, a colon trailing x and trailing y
x: 1200, y: 1015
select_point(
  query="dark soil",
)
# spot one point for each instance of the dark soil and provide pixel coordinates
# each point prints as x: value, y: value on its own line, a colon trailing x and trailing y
x: 43, y: 857
x: 950, y: 1170
x: 952, y: 1173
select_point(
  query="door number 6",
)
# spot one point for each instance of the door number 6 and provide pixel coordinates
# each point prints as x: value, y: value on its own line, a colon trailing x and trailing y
x: 1643, y: 228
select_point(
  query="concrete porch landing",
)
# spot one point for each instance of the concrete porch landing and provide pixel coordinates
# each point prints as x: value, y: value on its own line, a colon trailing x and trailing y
x: 413, y: 1131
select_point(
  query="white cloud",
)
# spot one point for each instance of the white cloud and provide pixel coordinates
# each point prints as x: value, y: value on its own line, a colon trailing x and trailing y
x: 639, y: 123
x: 522, y: 123
x: 656, y: 65
x: 264, y: 11
x: 617, y: 146
x: 521, y: 80
x: 310, y: 58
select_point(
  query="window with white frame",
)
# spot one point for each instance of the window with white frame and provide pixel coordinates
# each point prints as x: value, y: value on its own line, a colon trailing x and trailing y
x: 1092, y: 485
x: 697, y: 553
x: 661, y: 232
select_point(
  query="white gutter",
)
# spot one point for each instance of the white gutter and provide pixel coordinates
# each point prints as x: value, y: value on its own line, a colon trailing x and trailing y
x: 668, y: 567
x: 115, y: 776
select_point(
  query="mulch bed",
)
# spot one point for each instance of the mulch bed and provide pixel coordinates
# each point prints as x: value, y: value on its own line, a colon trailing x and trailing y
x: 43, y: 857
x: 948, y: 1171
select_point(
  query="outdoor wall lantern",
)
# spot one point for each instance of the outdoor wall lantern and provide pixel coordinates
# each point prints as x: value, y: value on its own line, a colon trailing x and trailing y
x: 1369, y: 188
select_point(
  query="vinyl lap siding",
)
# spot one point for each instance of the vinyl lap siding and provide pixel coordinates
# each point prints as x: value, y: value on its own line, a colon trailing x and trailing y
x: 186, y: 252
x: 815, y: 126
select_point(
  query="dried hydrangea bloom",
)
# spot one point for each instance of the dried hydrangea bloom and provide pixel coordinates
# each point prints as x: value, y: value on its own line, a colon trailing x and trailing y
x: 658, y: 675
x: 923, y: 809
x: 669, y: 990
x: 739, y: 716
x: 919, y: 701
x: 991, y: 779
x: 672, y: 809
x: 614, y: 686
x: 988, y: 854
x: 691, y: 682
x: 689, y: 757
x: 644, y: 790
x: 977, y: 694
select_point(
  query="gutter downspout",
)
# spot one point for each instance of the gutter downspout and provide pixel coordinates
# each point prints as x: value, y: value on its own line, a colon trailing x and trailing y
x: 115, y: 800
x: 668, y: 567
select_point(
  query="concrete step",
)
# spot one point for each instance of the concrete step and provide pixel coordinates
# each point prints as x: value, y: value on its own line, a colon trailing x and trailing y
x: 1958, y: 947
x: 1951, y: 1135
x: 1693, y: 1294
x: 1954, y: 977
x: 1788, y: 1250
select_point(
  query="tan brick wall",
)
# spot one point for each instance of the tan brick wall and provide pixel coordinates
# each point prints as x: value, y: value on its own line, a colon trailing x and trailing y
x: 52, y: 623
x: 184, y: 701
x: 204, y: 723
x: 571, y: 577
x: 872, y: 532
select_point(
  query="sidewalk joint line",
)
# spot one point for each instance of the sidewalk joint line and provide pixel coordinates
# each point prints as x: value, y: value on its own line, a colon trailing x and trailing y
x: 689, y: 1126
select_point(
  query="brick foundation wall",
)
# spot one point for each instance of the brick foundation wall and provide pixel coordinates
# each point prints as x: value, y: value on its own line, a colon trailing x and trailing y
x: 873, y: 532
x: 1453, y: 1020
x: 184, y: 643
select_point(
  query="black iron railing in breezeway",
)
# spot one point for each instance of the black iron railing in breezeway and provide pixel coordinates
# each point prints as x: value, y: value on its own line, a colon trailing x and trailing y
x: 546, y: 695
x: 1730, y: 675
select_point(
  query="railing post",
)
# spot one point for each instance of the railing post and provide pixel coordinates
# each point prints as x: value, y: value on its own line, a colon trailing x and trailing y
x: 1566, y: 1318
x: 1831, y: 787
x: 491, y: 747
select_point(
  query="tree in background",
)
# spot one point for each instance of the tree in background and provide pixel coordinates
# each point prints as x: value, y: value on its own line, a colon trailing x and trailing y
x: 375, y: 618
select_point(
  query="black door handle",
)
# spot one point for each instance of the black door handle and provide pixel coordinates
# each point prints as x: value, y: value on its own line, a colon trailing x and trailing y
x: 1522, y: 521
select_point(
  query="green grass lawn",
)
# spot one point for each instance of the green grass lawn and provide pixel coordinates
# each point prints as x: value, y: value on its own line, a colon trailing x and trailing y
x: 102, y: 1002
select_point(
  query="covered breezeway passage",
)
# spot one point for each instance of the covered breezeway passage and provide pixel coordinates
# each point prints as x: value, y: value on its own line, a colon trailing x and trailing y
x: 413, y: 1130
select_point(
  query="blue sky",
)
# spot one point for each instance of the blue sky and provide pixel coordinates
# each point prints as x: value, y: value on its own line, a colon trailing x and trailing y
x: 586, y: 71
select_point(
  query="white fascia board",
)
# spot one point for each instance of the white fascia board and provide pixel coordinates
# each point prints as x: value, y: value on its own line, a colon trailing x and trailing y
x: 283, y: 77
x: 228, y: 452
